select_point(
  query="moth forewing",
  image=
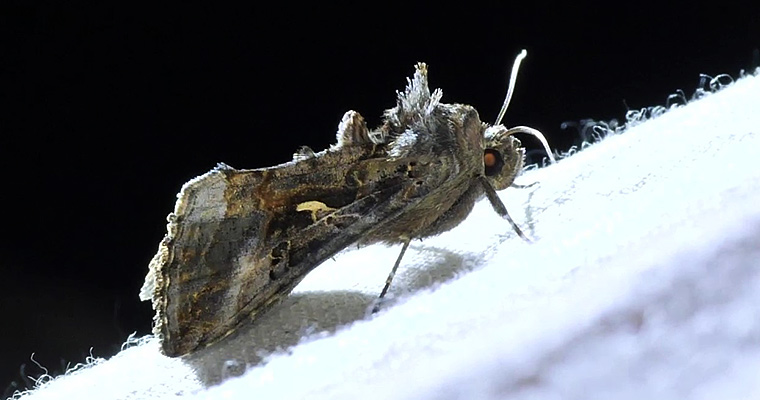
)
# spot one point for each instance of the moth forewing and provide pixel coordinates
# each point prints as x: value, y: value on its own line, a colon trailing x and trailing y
x: 239, y: 240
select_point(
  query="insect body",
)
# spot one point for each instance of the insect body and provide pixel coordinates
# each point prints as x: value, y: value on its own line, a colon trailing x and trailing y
x: 240, y: 240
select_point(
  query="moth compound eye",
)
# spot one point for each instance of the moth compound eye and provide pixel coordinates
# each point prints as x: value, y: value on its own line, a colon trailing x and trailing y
x: 493, y: 162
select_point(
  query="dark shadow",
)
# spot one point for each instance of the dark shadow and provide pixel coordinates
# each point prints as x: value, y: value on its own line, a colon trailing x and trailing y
x: 312, y: 314
x: 299, y: 316
x: 447, y: 266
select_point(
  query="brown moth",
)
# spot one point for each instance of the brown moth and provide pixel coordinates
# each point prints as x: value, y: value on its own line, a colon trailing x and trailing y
x: 240, y: 240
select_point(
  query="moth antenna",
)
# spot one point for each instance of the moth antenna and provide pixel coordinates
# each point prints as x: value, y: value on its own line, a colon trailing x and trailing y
x: 538, y: 135
x: 512, y: 80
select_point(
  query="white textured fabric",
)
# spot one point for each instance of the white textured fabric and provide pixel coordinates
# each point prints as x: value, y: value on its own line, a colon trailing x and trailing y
x: 643, y: 282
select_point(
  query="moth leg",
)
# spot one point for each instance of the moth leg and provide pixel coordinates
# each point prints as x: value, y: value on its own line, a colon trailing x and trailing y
x: 518, y: 186
x: 389, y: 279
x: 499, y: 207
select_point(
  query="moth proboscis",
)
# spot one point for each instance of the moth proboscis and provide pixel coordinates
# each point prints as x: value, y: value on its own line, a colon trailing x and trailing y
x: 240, y: 240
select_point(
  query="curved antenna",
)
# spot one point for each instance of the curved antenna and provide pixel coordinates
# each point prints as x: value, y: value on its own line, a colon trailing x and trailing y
x: 512, y: 80
x: 538, y: 135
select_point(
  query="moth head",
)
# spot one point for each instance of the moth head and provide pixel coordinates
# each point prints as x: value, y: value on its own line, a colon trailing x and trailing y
x: 503, y: 157
x: 503, y: 154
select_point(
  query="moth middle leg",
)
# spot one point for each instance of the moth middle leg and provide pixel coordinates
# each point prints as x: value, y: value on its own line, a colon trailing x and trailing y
x: 389, y: 279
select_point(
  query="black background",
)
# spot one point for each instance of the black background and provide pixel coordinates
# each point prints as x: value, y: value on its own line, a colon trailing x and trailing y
x: 107, y: 110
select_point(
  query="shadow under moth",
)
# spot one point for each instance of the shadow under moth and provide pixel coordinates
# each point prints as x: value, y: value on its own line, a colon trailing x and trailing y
x: 240, y: 240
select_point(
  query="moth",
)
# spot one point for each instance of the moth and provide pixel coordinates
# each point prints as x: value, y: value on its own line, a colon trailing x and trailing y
x: 240, y: 240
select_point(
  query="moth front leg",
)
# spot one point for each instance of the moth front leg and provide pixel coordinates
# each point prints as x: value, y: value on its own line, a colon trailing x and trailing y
x: 499, y: 207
